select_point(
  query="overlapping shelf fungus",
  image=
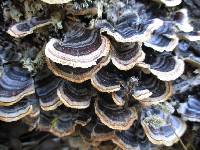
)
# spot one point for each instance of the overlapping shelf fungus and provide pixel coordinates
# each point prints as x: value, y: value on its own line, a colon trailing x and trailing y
x: 109, y: 71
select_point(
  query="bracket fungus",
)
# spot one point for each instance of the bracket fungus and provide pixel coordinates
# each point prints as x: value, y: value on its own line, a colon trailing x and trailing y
x: 151, y: 90
x: 95, y: 131
x: 115, y: 117
x: 164, y: 38
x: 15, y: 83
x: 15, y: 112
x: 160, y: 127
x: 27, y: 27
x: 79, y: 74
x: 81, y: 48
x: 164, y: 65
x: 61, y: 122
x: 82, y: 53
x: 126, y: 55
x: 46, y: 85
x: 63, y: 125
x: 129, y: 29
x: 131, y: 139
x: 75, y: 95
x: 190, y: 109
x: 107, y: 79
x: 103, y: 71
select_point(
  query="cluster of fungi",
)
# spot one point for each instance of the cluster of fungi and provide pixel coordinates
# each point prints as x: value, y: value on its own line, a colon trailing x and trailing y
x: 107, y: 72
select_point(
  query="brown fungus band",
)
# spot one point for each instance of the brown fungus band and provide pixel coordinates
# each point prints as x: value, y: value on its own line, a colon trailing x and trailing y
x: 182, y: 20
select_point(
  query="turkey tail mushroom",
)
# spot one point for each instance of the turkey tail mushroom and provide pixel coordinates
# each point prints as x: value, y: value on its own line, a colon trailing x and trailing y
x: 162, y: 128
x: 15, y: 83
x: 75, y: 95
x: 46, y: 85
x: 164, y: 65
x: 126, y: 55
x: 27, y: 27
x: 15, y: 112
x: 128, y: 29
x: 107, y: 79
x: 190, y: 110
x: 113, y: 116
x: 151, y: 90
x: 81, y: 48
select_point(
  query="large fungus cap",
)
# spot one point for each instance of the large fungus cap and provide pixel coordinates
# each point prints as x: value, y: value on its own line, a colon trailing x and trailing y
x: 165, y: 66
x: 113, y: 116
x: 169, y: 3
x: 162, y: 128
x: 75, y: 95
x: 190, y: 110
x: 164, y: 38
x: 15, y: 83
x: 46, y: 85
x: 26, y: 27
x: 15, y: 112
x: 151, y: 90
x: 129, y: 29
x: 107, y: 79
x: 78, y: 74
x: 81, y: 48
x: 56, y: 1
x: 126, y: 55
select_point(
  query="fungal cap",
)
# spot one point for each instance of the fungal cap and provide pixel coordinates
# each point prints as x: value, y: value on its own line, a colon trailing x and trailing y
x: 77, y: 54
x: 24, y: 28
x: 15, y: 112
x: 77, y: 75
